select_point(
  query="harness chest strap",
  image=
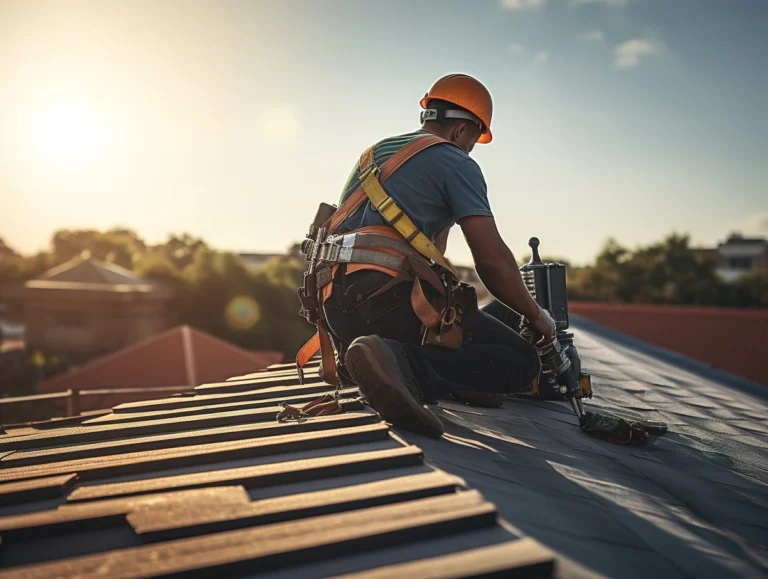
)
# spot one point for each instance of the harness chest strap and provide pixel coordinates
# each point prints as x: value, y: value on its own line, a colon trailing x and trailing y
x: 397, y: 218
x: 387, y: 169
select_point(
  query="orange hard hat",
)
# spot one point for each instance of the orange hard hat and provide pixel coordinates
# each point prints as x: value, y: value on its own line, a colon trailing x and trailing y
x: 468, y: 93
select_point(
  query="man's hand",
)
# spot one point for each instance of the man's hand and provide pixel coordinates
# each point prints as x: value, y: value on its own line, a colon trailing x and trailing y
x: 497, y: 267
x: 544, y: 325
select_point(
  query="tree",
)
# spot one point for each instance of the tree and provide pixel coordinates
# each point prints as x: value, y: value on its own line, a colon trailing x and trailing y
x: 754, y: 286
x: 119, y: 246
x: 7, y: 253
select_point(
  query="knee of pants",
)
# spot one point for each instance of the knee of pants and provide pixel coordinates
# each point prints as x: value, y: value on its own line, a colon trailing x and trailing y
x: 532, y: 366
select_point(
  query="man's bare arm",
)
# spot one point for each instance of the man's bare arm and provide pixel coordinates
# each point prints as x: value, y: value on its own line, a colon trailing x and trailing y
x: 496, y: 265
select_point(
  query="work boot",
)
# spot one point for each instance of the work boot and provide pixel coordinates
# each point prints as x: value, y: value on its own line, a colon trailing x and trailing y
x: 384, y: 375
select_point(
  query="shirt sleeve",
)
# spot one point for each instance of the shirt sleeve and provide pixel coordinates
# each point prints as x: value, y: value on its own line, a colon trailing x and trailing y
x: 467, y: 191
x: 351, y: 181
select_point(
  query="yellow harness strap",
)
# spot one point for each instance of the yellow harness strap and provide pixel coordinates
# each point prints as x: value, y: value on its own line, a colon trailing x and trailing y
x: 397, y: 218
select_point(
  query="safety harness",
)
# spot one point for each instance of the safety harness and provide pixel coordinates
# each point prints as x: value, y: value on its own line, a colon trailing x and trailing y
x: 398, y: 249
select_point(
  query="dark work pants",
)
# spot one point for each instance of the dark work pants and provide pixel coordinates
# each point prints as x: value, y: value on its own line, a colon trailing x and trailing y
x: 497, y: 359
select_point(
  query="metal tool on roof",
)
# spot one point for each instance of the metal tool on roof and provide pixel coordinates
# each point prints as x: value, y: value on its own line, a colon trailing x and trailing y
x: 561, y: 375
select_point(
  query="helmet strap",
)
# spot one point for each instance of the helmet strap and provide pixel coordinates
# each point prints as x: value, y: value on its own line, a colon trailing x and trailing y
x: 438, y: 114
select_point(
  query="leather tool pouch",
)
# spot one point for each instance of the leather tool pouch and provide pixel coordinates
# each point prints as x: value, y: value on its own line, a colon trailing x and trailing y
x: 458, y: 317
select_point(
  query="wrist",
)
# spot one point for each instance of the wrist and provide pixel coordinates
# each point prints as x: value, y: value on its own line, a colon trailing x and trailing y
x: 536, y: 312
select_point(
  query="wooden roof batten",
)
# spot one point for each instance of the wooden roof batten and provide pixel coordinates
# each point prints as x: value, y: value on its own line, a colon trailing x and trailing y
x: 211, y: 483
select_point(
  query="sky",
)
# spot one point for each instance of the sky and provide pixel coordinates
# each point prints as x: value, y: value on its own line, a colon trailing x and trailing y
x: 231, y: 120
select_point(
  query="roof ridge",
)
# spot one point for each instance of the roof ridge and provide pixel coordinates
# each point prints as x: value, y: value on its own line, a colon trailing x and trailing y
x: 106, y: 358
x: 226, y: 344
x: 57, y: 269
x: 190, y: 360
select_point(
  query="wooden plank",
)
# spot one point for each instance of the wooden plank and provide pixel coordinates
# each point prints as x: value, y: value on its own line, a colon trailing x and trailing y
x: 196, y: 455
x: 35, y: 490
x: 280, y: 370
x: 99, y: 514
x: 520, y: 558
x: 69, y: 420
x: 206, y: 400
x: 269, y: 380
x: 280, y: 544
x: 314, y: 363
x: 83, y: 434
x: 184, y: 520
x: 114, y: 418
x: 260, y: 475
x: 176, y: 439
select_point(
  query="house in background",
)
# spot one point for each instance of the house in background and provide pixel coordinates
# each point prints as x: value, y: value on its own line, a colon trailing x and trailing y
x: 740, y: 255
x: 86, y: 308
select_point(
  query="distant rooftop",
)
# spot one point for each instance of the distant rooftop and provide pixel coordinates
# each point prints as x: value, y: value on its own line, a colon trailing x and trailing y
x: 89, y: 273
x: 182, y: 356
x: 740, y: 239
x: 87, y: 269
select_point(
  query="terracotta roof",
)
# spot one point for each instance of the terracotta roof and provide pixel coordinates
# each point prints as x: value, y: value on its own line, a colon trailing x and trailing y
x: 182, y: 356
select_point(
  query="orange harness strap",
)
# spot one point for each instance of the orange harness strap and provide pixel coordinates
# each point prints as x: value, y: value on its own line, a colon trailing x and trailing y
x: 321, y: 340
x: 387, y: 169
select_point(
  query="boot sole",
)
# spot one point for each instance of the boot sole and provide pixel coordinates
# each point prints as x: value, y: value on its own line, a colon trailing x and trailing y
x: 375, y: 371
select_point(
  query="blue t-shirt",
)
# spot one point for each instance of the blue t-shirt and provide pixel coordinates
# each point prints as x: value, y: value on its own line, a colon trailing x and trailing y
x: 436, y: 187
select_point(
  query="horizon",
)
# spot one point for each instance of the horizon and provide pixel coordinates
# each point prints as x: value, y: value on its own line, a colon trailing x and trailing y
x: 518, y: 255
x: 621, y: 119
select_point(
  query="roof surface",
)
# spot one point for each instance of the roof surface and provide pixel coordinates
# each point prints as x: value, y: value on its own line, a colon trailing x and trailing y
x: 182, y: 356
x: 211, y: 482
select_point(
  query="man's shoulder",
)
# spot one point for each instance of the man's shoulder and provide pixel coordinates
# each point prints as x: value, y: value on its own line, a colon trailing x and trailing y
x: 444, y: 157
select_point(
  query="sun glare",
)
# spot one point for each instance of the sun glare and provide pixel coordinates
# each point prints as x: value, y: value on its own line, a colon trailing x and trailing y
x: 70, y: 134
x: 279, y: 125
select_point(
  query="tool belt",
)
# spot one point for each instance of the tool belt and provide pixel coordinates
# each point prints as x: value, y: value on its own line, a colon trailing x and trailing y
x: 398, y: 249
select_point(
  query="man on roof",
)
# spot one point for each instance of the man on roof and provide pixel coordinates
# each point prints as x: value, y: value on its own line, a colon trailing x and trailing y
x: 384, y: 298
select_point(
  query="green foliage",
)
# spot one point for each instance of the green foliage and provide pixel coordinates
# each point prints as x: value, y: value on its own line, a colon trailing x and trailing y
x: 205, y: 283
x: 119, y: 246
x: 668, y: 272
x: 215, y: 291
x: 755, y: 289
x: 7, y: 252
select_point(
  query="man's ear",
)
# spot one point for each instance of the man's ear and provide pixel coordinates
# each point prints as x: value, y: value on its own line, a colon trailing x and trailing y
x: 458, y: 130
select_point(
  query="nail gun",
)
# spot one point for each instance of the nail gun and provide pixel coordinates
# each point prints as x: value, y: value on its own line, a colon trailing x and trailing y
x: 561, y: 376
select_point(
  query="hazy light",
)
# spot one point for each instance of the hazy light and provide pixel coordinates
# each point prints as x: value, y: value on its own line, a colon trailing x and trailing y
x: 279, y: 125
x: 242, y: 313
x: 69, y: 133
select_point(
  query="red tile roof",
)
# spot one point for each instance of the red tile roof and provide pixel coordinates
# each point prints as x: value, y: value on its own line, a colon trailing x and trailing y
x: 182, y: 356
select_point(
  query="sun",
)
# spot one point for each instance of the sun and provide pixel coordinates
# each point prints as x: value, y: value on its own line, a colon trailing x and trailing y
x: 69, y: 134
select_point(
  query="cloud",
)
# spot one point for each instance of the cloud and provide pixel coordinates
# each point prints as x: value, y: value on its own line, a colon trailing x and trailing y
x: 515, y: 48
x: 604, y: 2
x: 629, y: 53
x: 521, y: 4
x: 593, y: 36
x: 541, y: 57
